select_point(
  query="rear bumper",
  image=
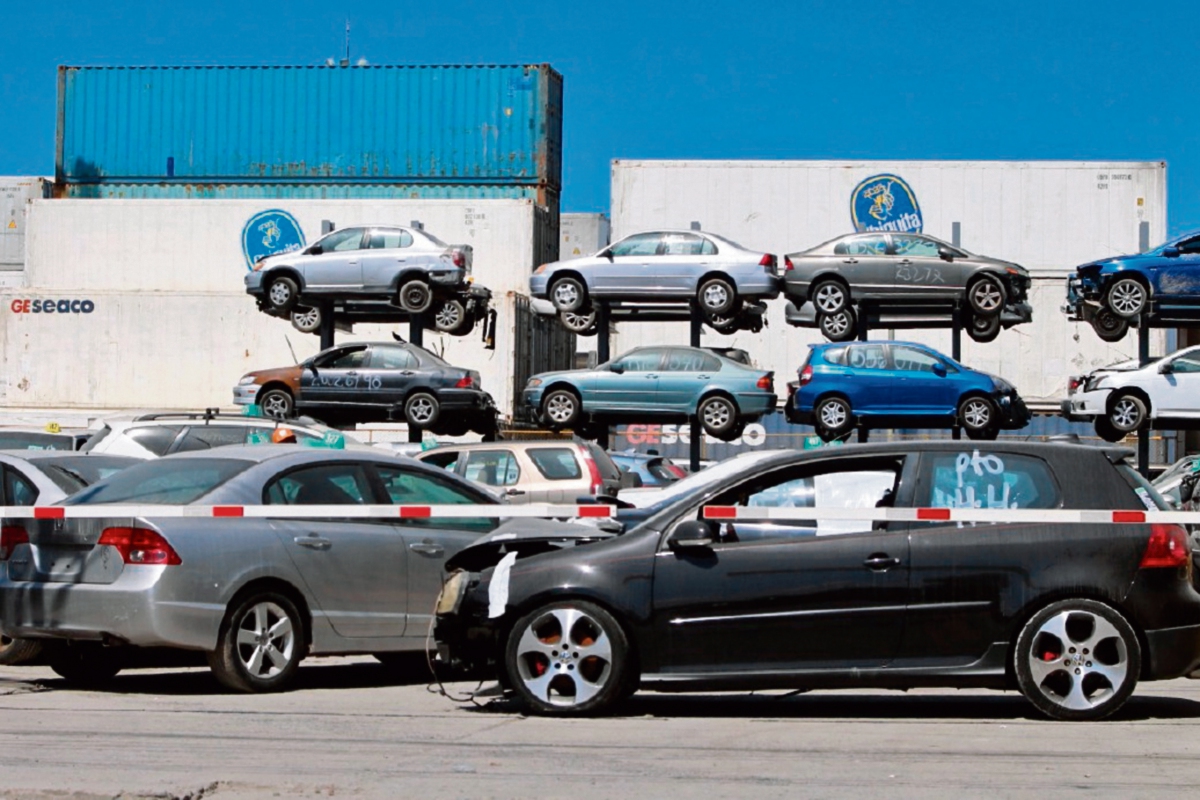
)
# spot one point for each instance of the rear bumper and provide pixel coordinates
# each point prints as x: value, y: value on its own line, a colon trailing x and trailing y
x: 465, y: 400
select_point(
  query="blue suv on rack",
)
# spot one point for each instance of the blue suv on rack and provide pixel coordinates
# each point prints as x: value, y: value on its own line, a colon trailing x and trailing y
x: 898, y: 384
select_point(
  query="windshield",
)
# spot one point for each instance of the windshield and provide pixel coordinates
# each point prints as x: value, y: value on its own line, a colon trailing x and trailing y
x: 698, y: 480
x: 1151, y: 499
x: 165, y: 482
x: 73, y: 474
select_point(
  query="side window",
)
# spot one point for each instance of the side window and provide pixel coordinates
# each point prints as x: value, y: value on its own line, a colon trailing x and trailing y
x: 1187, y: 363
x: 683, y: 244
x: 341, y: 241
x: 204, y: 437
x: 980, y: 479
x: 867, y: 356
x: 691, y: 361
x: 155, y: 438
x: 322, y: 485
x: 390, y: 238
x: 842, y: 485
x: 555, y: 463
x: 492, y: 468
x: 391, y: 358
x: 18, y: 489
x: 708, y: 248
x: 910, y: 359
x: 836, y: 355
x: 873, y: 244
x: 1190, y: 246
x: 447, y: 460
x: 352, y: 359
x: 916, y: 246
x: 406, y: 488
x: 641, y: 244
x: 647, y: 360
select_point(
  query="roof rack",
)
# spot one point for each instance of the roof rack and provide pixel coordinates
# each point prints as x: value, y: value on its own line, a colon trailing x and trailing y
x: 210, y: 414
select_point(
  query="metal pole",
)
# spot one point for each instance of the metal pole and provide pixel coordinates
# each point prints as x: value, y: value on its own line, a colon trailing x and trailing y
x: 325, y: 331
x: 956, y: 234
x: 956, y: 349
x: 1143, y: 436
x: 603, y: 342
x: 696, y: 322
x: 416, y: 336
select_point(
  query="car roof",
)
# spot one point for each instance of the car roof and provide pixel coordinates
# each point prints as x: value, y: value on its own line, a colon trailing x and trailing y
x: 260, y: 453
x: 1114, y: 453
x: 58, y: 455
x: 508, y: 444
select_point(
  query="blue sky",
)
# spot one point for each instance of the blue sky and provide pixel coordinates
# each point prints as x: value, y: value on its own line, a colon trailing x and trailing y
x: 841, y: 79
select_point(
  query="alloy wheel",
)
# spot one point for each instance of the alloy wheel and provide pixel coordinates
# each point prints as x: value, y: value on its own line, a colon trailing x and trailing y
x: 280, y: 293
x: 421, y: 410
x: 265, y: 640
x: 1127, y: 298
x: 977, y: 414
x: 829, y: 298
x: 716, y: 295
x: 1126, y: 414
x: 564, y: 657
x: 1078, y: 660
x: 987, y: 296
x: 834, y: 415
x: 560, y: 408
x: 449, y: 315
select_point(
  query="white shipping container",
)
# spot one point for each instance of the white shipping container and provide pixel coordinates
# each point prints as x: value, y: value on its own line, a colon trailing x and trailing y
x: 15, y: 196
x: 582, y: 235
x: 149, y: 308
x: 1048, y: 216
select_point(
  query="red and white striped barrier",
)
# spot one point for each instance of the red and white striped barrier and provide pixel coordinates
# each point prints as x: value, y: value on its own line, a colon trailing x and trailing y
x: 533, y: 510
x: 997, y: 515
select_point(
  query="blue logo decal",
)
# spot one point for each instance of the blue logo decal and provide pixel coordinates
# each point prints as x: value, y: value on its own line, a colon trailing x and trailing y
x: 269, y: 233
x: 885, y: 203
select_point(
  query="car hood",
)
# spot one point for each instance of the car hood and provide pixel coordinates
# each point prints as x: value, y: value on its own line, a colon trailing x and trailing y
x: 286, y: 257
x: 1121, y: 366
x: 286, y: 374
x: 525, y: 537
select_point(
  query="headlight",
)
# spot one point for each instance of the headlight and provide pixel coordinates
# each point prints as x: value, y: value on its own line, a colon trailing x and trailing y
x: 533, y: 382
x: 540, y: 269
x: 452, y: 593
x: 247, y: 380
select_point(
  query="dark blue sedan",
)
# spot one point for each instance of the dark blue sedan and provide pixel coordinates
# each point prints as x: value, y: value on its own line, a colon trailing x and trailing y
x: 899, y: 384
x: 1111, y: 292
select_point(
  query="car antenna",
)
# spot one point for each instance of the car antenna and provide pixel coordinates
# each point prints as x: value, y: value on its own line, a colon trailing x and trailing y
x: 289, y: 344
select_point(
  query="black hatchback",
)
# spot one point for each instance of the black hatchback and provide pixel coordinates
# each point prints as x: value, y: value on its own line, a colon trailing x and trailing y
x: 1071, y: 614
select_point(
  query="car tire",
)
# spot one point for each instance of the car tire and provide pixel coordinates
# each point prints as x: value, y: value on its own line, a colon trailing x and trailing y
x: 18, y: 651
x: 718, y: 415
x: 717, y: 296
x: 978, y: 417
x: 450, y: 315
x: 307, y: 319
x: 830, y: 297
x: 277, y: 404
x: 590, y: 675
x: 986, y: 296
x: 1077, y: 660
x: 421, y: 410
x: 983, y: 329
x: 724, y: 324
x: 261, y: 644
x: 415, y: 297
x: 834, y: 418
x: 580, y: 323
x: 1127, y: 412
x: 568, y: 294
x: 1106, y: 431
x: 1127, y: 298
x: 561, y: 409
x: 85, y: 663
x: 839, y: 327
x: 1108, y: 326
x: 282, y: 294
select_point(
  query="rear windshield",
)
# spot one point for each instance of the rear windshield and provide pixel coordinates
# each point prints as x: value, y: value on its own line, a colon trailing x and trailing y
x: 166, y: 482
x: 32, y: 440
x: 73, y: 474
x: 608, y: 470
x: 1151, y: 499
x: 96, y: 439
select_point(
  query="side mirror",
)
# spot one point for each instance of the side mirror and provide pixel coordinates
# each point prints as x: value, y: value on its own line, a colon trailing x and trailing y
x: 617, y: 367
x: 939, y: 369
x: 1170, y: 252
x: 607, y: 253
x: 945, y: 253
x: 316, y: 250
x: 1166, y: 368
x: 692, y: 536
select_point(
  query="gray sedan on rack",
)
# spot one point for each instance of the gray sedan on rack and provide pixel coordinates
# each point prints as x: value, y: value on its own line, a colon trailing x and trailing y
x: 256, y: 594
x: 665, y: 266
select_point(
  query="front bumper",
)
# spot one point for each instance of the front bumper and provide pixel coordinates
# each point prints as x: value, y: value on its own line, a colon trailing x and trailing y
x: 246, y: 395
x: 1084, y: 406
x: 254, y: 283
x: 537, y: 285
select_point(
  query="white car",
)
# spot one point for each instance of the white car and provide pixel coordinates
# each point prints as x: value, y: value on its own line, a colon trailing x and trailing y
x: 1125, y: 397
x: 154, y: 435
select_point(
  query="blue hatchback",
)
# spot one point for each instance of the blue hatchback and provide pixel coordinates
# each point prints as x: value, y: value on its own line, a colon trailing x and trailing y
x: 899, y: 384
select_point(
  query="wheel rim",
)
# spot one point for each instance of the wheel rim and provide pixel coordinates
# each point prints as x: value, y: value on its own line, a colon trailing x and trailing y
x: 265, y: 640
x: 420, y: 410
x: 566, y: 294
x: 560, y: 408
x: 716, y: 295
x: 1126, y: 297
x: 414, y: 297
x: 977, y: 414
x: 448, y: 316
x: 717, y: 415
x: 275, y: 405
x: 987, y: 296
x: 578, y: 322
x: 1078, y: 660
x: 829, y: 298
x: 309, y: 319
x: 281, y: 293
x: 835, y: 324
x: 1108, y: 322
x: 564, y: 657
x: 834, y: 415
x: 1125, y: 413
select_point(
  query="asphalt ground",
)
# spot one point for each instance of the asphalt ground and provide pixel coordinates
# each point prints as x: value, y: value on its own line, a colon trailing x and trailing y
x: 354, y: 728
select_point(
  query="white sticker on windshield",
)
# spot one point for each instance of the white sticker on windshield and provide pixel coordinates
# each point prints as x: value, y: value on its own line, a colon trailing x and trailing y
x: 1146, y: 499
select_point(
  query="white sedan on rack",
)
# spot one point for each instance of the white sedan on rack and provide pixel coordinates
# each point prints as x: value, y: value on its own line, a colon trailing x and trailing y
x: 1125, y: 397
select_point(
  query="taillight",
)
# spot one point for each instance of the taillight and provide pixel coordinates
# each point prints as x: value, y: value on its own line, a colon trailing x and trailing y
x: 788, y: 266
x: 1168, y: 547
x: 767, y: 382
x: 806, y: 374
x: 768, y: 260
x: 140, y: 546
x: 676, y: 470
x: 10, y: 537
x: 467, y: 382
x: 459, y: 258
x: 593, y: 473
x: 1074, y: 383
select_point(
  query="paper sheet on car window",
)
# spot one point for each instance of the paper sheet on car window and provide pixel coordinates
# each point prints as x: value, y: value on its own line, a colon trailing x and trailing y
x: 850, y: 490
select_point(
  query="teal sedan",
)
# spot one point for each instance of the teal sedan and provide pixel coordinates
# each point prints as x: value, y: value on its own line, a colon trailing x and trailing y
x: 655, y: 383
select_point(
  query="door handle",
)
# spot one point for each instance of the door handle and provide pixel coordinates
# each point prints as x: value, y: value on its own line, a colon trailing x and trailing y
x: 905, y: 261
x: 881, y: 562
x: 427, y: 549
x: 703, y: 377
x: 407, y: 372
x: 514, y: 492
x: 313, y: 542
x: 352, y: 372
x: 850, y: 261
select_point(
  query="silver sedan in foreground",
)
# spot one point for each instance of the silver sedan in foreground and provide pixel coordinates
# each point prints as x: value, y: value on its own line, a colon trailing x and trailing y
x: 256, y: 594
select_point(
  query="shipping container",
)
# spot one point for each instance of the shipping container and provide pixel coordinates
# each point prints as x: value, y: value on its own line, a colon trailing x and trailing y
x: 15, y: 197
x: 311, y: 132
x: 141, y: 304
x: 582, y: 235
x: 1049, y: 216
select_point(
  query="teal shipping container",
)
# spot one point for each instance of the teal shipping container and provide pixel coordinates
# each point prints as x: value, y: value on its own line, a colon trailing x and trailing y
x: 310, y: 132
